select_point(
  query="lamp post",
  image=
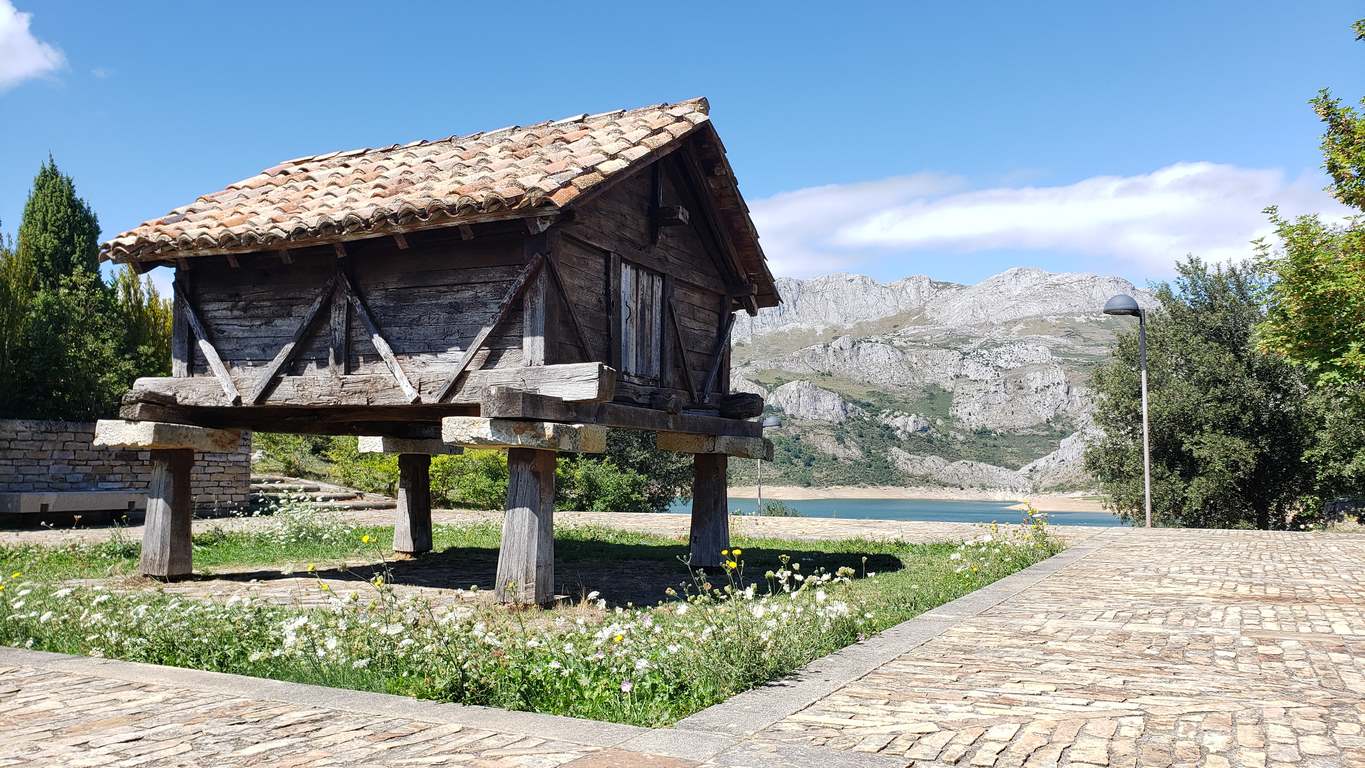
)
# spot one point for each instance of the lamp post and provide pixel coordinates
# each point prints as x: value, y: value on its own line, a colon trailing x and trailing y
x: 769, y: 422
x: 1123, y: 304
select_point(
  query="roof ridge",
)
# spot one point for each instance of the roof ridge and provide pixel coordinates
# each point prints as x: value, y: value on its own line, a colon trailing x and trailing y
x: 702, y: 105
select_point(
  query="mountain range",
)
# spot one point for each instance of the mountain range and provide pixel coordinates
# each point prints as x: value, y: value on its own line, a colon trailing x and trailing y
x: 925, y: 382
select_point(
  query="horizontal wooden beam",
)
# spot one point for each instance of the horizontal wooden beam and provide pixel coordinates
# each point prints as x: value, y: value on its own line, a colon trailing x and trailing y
x: 574, y: 382
x: 727, y: 445
x: 479, y: 432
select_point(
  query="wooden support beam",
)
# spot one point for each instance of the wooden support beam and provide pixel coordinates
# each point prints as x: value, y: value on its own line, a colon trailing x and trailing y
x: 710, y: 530
x: 671, y: 216
x: 567, y: 303
x: 740, y: 405
x: 680, y: 344
x: 718, y: 354
x: 377, y: 339
x: 573, y: 382
x: 401, y: 240
x: 728, y: 445
x: 232, y: 261
x: 339, y: 348
x: 180, y: 333
x: 284, y: 256
x: 220, y: 371
x: 466, y: 232
x: 510, y: 403
x: 481, y: 432
x: 166, y: 552
x: 504, y: 309
x: 526, y: 557
x: 291, y: 347
x: 614, y: 309
x: 412, y: 525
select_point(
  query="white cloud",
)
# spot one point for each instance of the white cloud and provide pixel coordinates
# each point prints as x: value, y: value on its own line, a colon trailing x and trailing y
x: 22, y: 56
x: 1136, y: 224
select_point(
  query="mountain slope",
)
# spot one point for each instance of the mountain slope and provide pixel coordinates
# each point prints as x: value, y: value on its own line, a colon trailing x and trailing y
x: 926, y: 382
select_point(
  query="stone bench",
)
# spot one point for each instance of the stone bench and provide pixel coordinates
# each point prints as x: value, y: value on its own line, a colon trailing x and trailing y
x: 55, y: 502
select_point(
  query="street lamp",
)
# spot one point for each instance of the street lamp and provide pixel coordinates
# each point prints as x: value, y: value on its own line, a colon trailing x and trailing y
x: 769, y: 422
x: 1123, y: 304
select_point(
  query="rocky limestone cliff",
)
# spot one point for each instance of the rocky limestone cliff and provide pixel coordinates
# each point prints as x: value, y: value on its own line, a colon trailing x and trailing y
x: 976, y: 386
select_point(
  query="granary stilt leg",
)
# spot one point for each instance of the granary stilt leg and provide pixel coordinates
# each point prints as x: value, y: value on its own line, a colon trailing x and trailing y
x: 710, y: 513
x: 166, y: 532
x: 412, y: 527
x: 526, y: 561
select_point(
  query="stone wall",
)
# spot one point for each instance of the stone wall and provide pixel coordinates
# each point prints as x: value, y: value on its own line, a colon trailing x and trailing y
x: 58, y: 456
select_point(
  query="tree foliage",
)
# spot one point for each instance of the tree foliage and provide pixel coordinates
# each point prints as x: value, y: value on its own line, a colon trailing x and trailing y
x: 58, y: 234
x: 1229, y: 422
x: 1316, y: 303
x: 70, y: 345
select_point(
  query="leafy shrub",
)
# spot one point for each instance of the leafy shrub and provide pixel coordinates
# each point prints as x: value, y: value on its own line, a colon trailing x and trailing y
x: 293, y: 455
x: 476, y: 479
x: 778, y: 509
x: 600, y: 486
x: 369, y: 472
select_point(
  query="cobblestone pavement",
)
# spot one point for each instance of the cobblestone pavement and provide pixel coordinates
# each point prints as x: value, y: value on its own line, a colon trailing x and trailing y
x: 1133, y: 648
x: 1187, y: 648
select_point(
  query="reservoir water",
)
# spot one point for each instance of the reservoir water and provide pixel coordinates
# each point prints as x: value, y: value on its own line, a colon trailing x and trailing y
x: 918, y: 509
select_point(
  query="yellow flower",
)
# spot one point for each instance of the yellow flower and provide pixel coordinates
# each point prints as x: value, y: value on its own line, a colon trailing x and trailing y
x: 365, y: 539
x: 725, y: 552
x: 618, y: 638
x: 324, y: 588
x: 312, y: 567
x: 736, y: 552
x: 731, y: 564
x: 2, y: 587
x: 16, y: 574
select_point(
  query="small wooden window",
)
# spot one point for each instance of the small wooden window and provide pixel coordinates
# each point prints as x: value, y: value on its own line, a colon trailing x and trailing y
x: 642, y: 303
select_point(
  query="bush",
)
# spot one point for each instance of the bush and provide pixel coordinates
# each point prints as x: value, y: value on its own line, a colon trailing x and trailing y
x: 476, y: 479
x: 778, y: 509
x: 370, y: 472
x: 600, y: 486
x: 293, y: 455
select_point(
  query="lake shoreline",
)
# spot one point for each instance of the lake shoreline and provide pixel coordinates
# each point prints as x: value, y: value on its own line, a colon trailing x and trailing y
x: 1052, y: 502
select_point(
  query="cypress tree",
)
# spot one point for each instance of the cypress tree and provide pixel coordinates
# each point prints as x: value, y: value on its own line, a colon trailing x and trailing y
x: 58, y: 234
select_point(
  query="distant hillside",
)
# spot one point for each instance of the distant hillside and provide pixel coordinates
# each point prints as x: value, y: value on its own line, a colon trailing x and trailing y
x: 921, y: 382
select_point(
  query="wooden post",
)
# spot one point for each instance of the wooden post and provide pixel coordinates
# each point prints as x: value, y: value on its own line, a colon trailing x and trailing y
x: 166, y: 531
x: 710, y: 512
x: 526, y: 560
x: 412, y: 527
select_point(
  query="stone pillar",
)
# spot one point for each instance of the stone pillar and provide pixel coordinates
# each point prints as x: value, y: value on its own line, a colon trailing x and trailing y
x: 166, y: 530
x: 526, y: 559
x: 412, y: 526
x: 710, y: 509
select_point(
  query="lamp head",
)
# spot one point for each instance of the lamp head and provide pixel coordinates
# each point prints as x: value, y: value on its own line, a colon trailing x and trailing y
x: 1122, y: 304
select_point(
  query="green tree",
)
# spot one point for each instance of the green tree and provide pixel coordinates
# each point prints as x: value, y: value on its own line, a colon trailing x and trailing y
x: 1229, y: 422
x: 632, y: 476
x: 71, y: 360
x: 17, y: 282
x: 147, y: 323
x: 58, y: 233
x: 1316, y: 302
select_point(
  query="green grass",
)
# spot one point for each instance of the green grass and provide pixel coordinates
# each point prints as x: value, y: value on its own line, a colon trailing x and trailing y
x: 648, y: 666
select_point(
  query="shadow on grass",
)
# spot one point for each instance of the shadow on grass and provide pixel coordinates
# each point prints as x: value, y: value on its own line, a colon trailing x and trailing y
x: 622, y: 573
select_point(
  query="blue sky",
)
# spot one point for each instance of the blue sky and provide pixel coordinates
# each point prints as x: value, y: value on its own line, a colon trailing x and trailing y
x: 954, y: 140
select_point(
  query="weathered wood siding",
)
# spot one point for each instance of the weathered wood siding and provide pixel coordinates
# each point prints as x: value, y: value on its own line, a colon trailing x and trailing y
x: 618, y: 222
x: 429, y: 301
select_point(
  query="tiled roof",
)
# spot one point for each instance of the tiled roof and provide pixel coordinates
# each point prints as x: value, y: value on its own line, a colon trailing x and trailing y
x: 516, y: 170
